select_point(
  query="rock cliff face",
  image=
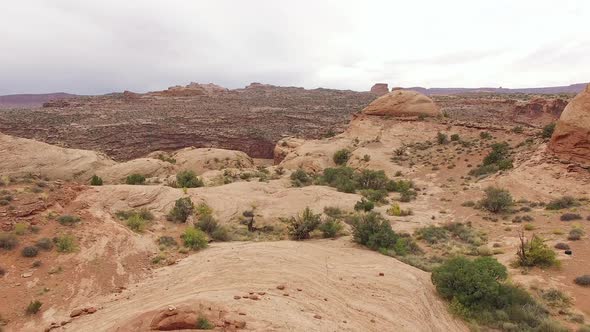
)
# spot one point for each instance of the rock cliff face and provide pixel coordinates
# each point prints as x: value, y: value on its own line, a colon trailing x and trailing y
x: 380, y: 89
x: 402, y: 103
x: 130, y: 125
x: 540, y: 109
x: 571, y: 138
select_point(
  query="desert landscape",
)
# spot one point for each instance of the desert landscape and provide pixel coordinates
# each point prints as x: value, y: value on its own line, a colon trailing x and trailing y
x: 345, y: 225
x: 320, y: 166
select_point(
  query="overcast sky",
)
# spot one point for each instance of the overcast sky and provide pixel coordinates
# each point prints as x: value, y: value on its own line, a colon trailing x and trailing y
x: 92, y: 46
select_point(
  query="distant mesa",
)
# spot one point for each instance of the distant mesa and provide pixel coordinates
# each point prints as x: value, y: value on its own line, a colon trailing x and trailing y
x: 571, y: 138
x: 403, y: 103
x: 257, y: 85
x: 380, y: 89
x: 193, y: 89
x: 57, y: 103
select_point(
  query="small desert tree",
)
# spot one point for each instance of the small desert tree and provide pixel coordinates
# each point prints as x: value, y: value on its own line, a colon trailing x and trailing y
x: 496, y: 200
x: 183, y: 208
x: 302, y: 225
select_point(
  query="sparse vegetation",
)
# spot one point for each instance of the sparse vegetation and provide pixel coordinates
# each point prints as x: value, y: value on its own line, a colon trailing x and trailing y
x: 548, y: 130
x: 364, y: 205
x: 183, y: 208
x: 330, y: 228
x: 497, y: 160
x: 455, y: 138
x: 341, y: 157
x: 8, y: 241
x: 136, y: 223
x: 570, y: 216
x: 30, y: 251
x: 300, y: 226
x: 65, y: 243
x: 194, y: 238
x: 561, y: 203
x: 188, y: 179
x: 95, y: 181
x: 135, y: 179
x: 583, y: 280
x: 575, y: 234
x: 33, y: 307
x: 397, y: 211
x: 442, y: 138
x: 373, y: 231
x: 496, y: 200
x: 68, y: 220
x: 204, y: 324
x: 300, y: 178
x: 167, y: 241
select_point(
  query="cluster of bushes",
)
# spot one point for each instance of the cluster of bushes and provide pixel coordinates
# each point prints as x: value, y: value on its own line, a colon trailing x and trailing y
x: 564, y: 202
x: 453, y: 230
x: 373, y: 184
x: 548, y: 130
x: 194, y: 238
x: 65, y: 243
x: 375, y: 232
x: 136, y: 220
x: 397, y: 211
x: 497, y: 160
x: 341, y: 157
x: 300, y: 178
x: 477, y: 291
x: 301, y: 226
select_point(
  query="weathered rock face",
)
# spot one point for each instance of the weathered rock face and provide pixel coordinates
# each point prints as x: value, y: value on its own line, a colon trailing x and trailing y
x: 548, y: 109
x: 571, y: 138
x: 403, y: 103
x: 380, y: 89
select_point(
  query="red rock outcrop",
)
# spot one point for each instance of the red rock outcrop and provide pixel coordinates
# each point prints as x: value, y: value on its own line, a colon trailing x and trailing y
x: 541, y: 109
x: 571, y: 138
x: 380, y: 89
x: 403, y: 103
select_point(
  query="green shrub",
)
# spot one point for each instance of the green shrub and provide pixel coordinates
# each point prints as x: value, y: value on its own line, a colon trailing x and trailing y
x: 455, y: 137
x: 561, y: 203
x: 373, y: 231
x: 30, y: 251
x: 207, y: 223
x: 364, y: 205
x: 334, y: 212
x: 368, y: 179
x: 485, y: 135
x: 535, y: 252
x: 136, y: 223
x: 20, y: 229
x: 65, y: 243
x: 68, y: 220
x: 44, y: 243
x: 330, y: 228
x: 135, y: 179
x: 477, y: 291
x: 188, y: 179
x: 548, y: 130
x: 300, y: 227
x: 497, y: 160
x: 341, y: 178
x: 194, y: 238
x: 33, y: 307
x: 442, y: 138
x: 397, y: 211
x: 496, y: 200
x: 341, y: 157
x: 8, y: 241
x: 203, y: 209
x: 583, y: 280
x: 204, y: 324
x: 95, y: 181
x: 300, y: 178
x: 183, y: 208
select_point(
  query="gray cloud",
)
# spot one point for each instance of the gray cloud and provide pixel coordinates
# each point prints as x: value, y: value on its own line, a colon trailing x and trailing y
x: 96, y: 46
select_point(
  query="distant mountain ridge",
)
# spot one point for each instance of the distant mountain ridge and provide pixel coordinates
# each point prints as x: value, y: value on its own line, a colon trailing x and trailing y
x: 31, y: 100
x: 572, y: 88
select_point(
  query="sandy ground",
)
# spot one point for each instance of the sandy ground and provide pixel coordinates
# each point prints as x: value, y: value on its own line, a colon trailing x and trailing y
x: 337, y: 280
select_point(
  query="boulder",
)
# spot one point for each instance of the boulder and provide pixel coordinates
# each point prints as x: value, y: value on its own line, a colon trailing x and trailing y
x: 571, y: 137
x: 402, y: 103
x: 380, y: 89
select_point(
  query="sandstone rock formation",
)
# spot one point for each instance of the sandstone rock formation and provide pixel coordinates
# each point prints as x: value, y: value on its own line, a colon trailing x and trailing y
x: 402, y: 103
x: 571, y: 138
x: 380, y: 89
x: 540, y: 109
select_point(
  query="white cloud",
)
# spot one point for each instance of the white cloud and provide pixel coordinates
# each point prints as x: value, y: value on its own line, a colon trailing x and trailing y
x: 102, y: 46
